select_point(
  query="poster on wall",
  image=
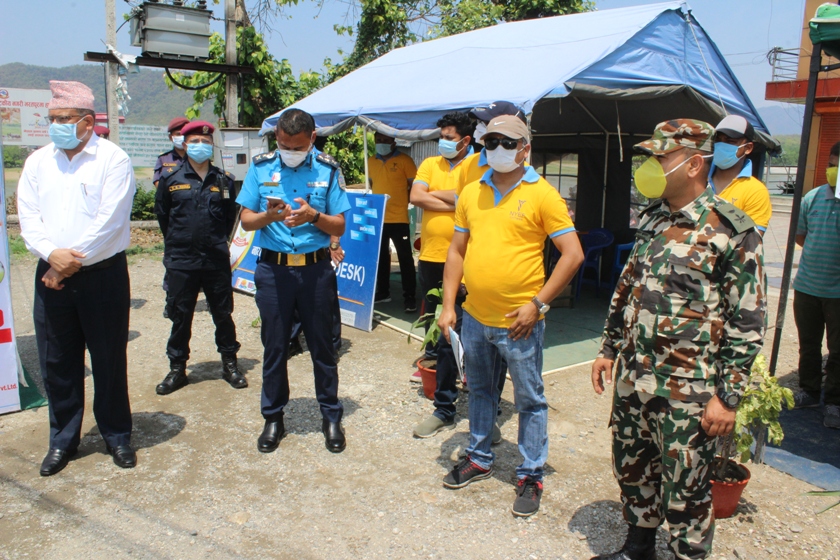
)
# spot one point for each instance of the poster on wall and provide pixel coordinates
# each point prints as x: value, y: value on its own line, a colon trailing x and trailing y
x: 356, y: 274
x: 23, y: 114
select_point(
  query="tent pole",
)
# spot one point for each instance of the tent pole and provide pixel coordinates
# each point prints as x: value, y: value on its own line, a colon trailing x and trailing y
x: 365, y: 143
x: 604, y: 191
x: 813, y: 76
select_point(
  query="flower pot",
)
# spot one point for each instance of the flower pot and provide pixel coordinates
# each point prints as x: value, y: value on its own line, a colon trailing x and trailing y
x: 428, y: 373
x: 726, y: 495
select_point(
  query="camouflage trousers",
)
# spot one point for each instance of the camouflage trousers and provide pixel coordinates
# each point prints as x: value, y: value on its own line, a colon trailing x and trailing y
x: 662, y: 461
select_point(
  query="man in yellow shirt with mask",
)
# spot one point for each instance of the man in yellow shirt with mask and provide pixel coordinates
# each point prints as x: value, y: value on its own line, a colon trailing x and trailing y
x: 731, y: 175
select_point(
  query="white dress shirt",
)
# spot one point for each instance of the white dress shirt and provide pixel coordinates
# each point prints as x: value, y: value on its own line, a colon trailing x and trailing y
x: 82, y: 204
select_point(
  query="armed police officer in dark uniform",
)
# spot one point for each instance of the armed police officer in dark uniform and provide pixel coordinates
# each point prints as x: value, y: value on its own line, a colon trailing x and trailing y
x: 195, y: 209
x: 295, y: 197
x: 167, y: 161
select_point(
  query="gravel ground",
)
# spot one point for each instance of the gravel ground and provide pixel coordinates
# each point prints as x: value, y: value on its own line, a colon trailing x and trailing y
x: 201, y: 489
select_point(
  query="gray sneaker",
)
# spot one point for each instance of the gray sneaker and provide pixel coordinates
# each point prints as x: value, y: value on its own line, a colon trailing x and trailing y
x: 497, y: 434
x: 804, y: 399
x: 832, y: 416
x: 430, y: 426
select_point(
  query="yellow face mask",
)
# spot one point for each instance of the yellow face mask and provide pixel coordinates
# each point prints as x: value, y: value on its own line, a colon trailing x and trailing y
x: 831, y: 176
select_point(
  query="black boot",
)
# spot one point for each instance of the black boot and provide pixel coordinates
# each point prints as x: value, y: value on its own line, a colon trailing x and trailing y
x: 230, y: 372
x: 176, y: 378
x: 640, y: 545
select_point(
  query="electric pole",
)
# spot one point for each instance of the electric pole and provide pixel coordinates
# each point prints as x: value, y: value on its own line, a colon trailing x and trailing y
x: 111, y: 72
x: 231, y: 80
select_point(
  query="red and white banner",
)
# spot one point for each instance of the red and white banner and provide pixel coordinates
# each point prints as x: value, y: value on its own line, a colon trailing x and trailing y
x: 10, y: 370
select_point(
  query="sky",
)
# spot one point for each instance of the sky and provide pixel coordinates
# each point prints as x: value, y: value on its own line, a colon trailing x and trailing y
x: 62, y: 30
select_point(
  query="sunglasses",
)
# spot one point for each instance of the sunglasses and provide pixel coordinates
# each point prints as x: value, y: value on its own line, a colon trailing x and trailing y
x: 507, y: 143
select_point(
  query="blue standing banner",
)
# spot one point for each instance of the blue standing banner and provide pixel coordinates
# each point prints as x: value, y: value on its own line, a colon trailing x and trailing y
x: 356, y: 274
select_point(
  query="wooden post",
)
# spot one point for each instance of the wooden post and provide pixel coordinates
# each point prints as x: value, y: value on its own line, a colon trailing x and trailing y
x: 111, y: 72
x: 231, y: 80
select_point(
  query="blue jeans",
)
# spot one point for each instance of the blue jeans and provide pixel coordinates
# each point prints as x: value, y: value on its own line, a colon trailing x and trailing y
x: 484, y: 348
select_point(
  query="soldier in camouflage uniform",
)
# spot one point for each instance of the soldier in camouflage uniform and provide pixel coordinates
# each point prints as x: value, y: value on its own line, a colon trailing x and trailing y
x: 685, y: 324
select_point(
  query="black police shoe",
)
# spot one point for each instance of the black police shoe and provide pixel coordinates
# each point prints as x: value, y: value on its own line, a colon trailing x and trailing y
x: 639, y: 545
x: 175, y: 379
x: 295, y: 347
x: 230, y: 372
x: 124, y: 456
x: 56, y: 460
x: 333, y: 436
x: 272, y: 433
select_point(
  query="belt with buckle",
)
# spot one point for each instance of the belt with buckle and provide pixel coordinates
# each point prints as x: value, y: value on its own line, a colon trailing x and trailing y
x: 291, y: 259
x: 110, y: 261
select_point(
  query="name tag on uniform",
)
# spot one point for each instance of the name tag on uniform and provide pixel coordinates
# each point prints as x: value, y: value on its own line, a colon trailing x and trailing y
x: 271, y: 184
x: 174, y: 188
x: 173, y: 164
x: 316, y: 184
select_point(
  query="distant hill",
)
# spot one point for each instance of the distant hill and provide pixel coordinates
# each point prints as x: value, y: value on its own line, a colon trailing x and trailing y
x: 151, y: 101
x: 781, y: 118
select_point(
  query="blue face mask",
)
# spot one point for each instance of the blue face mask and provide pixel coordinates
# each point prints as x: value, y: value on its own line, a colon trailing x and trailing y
x: 64, y: 136
x: 726, y: 155
x: 448, y: 148
x: 199, y: 153
x: 383, y: 149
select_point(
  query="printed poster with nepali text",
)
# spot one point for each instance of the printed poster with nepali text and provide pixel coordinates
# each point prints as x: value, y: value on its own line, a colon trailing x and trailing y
x: 9, y: 365
x: 356, y: 274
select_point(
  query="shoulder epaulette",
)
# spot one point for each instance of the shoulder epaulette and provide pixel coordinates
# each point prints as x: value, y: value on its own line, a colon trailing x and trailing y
x: 228, y: 175
x: 737, y: 218
x: 261, y: 158
x: 328, y: 159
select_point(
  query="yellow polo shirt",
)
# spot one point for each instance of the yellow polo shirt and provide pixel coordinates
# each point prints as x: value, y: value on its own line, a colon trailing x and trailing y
x: 472, y: 170
x: 391, y: 175
x: 503, y: 266
x: 750, y: 195
x: 438, y: 227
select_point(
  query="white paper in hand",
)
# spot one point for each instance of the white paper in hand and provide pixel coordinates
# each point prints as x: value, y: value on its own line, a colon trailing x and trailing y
x: 458, y: 350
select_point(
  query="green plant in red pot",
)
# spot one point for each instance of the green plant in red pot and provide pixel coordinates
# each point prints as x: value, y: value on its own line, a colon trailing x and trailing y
x: 429, y: 321
x: 758, y: 413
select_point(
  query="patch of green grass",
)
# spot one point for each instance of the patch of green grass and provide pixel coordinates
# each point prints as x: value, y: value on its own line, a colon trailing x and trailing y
x: 138, y: 250
x: 17, y: 246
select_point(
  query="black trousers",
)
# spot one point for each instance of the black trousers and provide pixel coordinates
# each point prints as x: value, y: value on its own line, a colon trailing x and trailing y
x: 312, y: 292
x: 446, y: 390
x: 400, y: 235
x: 90, y: 311
x: 182, y: 297
x: 814, y: 317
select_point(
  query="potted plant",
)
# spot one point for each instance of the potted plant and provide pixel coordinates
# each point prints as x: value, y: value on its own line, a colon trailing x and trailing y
x: 758, y: 414
x: 429, y: 321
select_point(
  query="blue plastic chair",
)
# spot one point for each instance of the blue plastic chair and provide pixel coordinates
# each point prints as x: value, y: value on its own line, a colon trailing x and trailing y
x: 618, y: 264
x: 594, y: 242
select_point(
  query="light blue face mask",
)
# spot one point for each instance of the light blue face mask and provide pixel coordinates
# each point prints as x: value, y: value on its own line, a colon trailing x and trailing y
x: 64, y: 136
x: 199, y: 153
x: 383, y: 149
x: 726, y: 155
x: 448, y: 148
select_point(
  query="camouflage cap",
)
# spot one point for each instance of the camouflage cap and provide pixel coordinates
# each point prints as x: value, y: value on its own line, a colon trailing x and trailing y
x: 678, y: 133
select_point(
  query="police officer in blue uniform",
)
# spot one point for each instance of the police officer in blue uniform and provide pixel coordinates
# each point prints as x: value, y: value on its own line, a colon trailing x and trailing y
x: 195, y: 207
x: 295, y: 197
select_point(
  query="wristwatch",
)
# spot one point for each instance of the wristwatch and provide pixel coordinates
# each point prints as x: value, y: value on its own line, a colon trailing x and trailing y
x: 729, y: 400
x: 543, y: 308
x: 316, y: 218
x: 335, y: 246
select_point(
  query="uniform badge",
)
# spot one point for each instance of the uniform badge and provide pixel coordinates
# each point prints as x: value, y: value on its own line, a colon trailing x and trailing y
x: 174, y: 188
x: 297, y: 260
x: 275, y: 177
x: 214, y: 189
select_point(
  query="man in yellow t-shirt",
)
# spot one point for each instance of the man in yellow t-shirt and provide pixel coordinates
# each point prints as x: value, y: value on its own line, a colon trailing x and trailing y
x: 731, y: 173
x: 434, y: 191
x: 501, y: 223
x: 391, y: 172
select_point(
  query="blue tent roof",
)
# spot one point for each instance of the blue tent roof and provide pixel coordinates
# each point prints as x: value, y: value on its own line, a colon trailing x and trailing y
x: 626, y: 54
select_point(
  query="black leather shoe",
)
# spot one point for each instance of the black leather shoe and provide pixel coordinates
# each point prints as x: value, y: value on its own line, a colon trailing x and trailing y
x: 174, y: 380
x: 271, y: 435
x: 231, y: 373
x: 55, y: 461
x: 124, y: 456
x: 333, y: 436
x: 639, y: 545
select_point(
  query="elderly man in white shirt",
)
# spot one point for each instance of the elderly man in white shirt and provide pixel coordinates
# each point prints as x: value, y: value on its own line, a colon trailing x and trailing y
x: 74, y: 203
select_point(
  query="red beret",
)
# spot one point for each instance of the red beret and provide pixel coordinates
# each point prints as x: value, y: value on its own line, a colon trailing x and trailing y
x: 198, y: 127
x: 177, y: 123
x: 101, y: 130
